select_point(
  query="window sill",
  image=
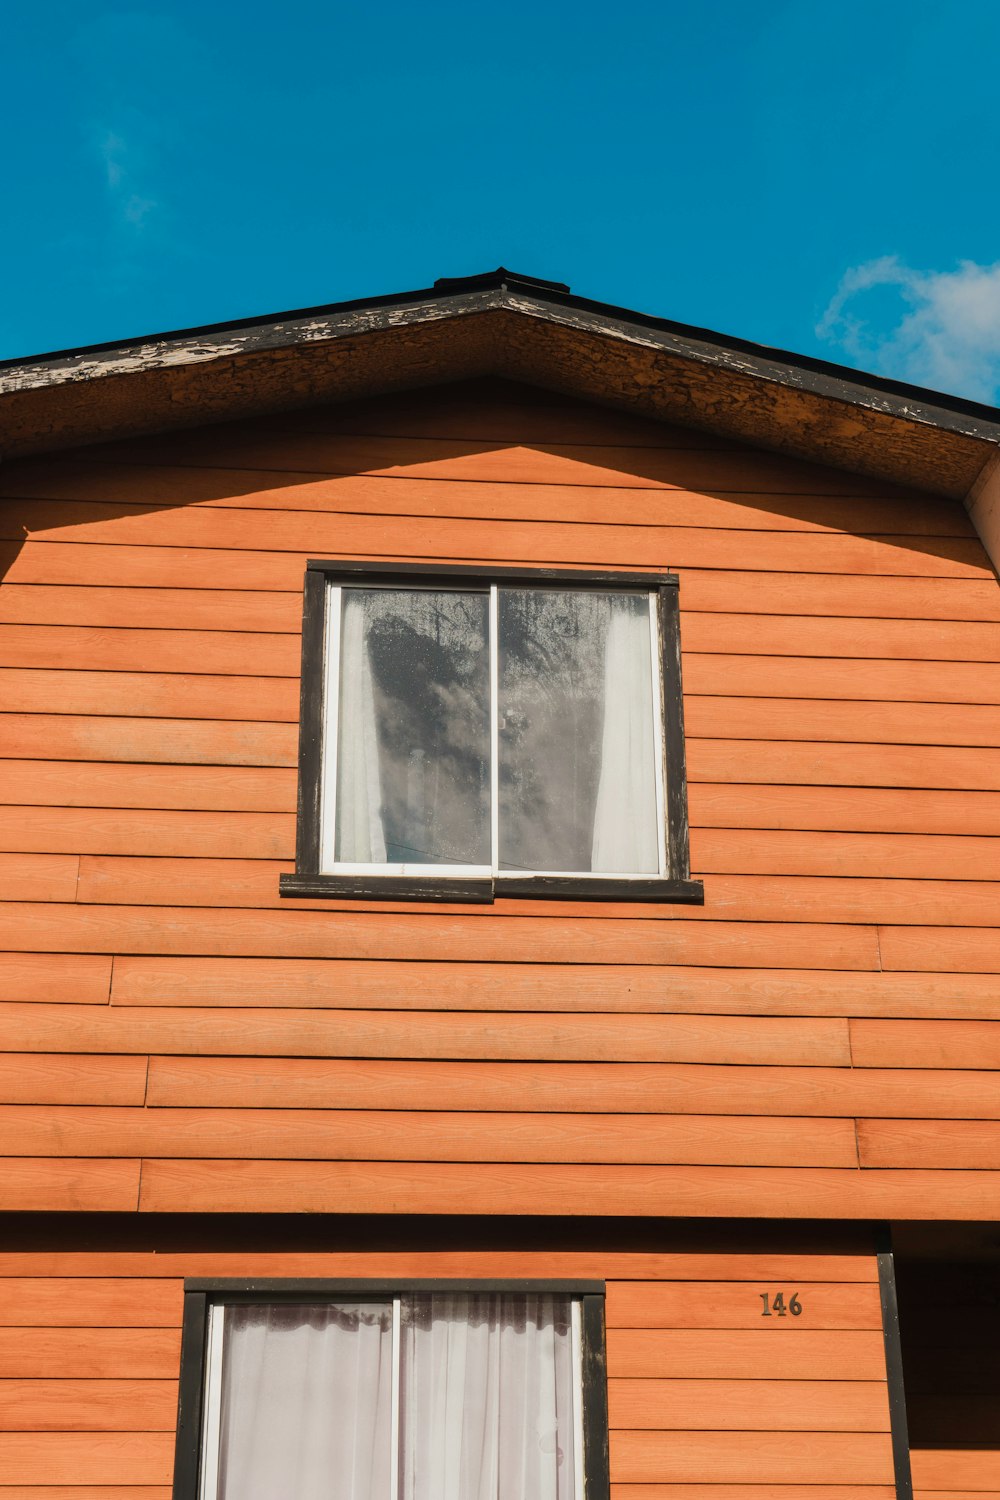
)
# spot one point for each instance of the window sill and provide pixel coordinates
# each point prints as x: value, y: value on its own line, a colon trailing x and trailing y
x: 485, y: 891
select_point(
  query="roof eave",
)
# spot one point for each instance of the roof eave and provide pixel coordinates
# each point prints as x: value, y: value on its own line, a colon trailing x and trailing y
x: 500, y: 324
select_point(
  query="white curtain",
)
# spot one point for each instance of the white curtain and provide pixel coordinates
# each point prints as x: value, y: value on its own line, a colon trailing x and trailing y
x: 360, y: 836
x: 625, y: 824
x: 487, y: 1398
x: 306, y: 1403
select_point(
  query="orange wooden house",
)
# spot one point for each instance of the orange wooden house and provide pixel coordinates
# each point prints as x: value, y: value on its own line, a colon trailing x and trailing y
x: 397, y: 1100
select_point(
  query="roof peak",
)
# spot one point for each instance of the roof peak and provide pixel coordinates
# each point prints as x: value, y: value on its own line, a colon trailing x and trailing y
x: 499, y: 279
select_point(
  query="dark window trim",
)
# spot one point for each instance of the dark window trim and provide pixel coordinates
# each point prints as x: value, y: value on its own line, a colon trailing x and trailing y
x: 893, y: 1364
x: 201, y: 1294
x: 308, y: 881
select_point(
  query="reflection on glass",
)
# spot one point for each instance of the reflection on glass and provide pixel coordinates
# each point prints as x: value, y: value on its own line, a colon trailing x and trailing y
x: 413, y: 778
x: 577, y: 752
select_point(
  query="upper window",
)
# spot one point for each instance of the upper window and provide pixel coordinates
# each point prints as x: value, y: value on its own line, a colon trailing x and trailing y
x: 365, y: 1393
x: 472, y: 736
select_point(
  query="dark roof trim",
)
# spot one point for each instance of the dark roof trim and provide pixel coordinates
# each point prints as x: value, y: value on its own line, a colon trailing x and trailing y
x: 501, y: 289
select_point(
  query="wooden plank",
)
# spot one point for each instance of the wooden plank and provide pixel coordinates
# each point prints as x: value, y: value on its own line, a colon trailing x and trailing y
x: 77, y: 978
x: 665, y: 1304
x: 770, y: 1458
x: 570, y: 543
x: 694, y: 1257
x: 38, y: 877
x: 977, y: 1494
x: 68, y: 1078
x: 31, y: 1185
x: 141, y: 979
x: 925, y: 1044
x: 92, y: 1302
x: 150, y: 608
x: 95, y: 1492
x: 160, y: 695
x: 405, y: 495
x: 952, y: 1469
x: 68, y: 1405
x: 226, y: 653
x: 937, y: 949
x: 65, y: 563
x: 67, y: 783
x: 929, y: 1143
x: 266, y: 447
x: 104, y: 1459
x: 39, y: 561
x: 857, y: 721
x: 767, y: 1405
x: 875, y: 856
x: 721, y: 1039
x: 806, y: 635
x: 959, y: 903
x: 428, y: 1135
x: 756, y: 1492
x: 744, y: 1354
x: 86, y: 830
x: 486, y: 938
x: 839, y: 677
x: 845, y: 810
x: 211, y: 742
x: 797, y: 763
x: 853, y: 595
x: 333, y: 1083
x: 564, y: 1190
x: 254, y: 883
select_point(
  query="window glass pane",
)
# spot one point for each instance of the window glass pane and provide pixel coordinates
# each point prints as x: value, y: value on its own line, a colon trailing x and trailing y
x: 306, y: 1402
x: 413, y: 763
x: 577, y: 754
x: 486, y: 1398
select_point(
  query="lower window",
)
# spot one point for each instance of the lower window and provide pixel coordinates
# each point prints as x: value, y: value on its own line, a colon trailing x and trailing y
x: 476, y: 1393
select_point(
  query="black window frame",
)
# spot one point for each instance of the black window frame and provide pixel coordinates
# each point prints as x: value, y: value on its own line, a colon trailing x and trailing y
x: 201, y: 1294
x: 308, y: 880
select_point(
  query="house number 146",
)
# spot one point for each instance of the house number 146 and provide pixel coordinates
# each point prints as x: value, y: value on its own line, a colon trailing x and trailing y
x: 778, y: 1306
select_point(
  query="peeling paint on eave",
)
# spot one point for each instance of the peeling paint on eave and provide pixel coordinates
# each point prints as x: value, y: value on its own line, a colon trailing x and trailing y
x: 160, y: 354
x: 174, y: 353
x: 760, y: 368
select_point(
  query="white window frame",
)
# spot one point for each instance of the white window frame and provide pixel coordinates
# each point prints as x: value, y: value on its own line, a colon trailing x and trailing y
x: 211, y: 1431
x: 329, y: 865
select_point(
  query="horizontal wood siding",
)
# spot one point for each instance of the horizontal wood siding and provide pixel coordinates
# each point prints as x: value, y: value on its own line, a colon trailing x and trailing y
x: 702, y: 1388
x: 176, y: 1035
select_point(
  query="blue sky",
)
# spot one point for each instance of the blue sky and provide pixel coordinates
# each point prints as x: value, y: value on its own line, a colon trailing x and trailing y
x: 819, y: 177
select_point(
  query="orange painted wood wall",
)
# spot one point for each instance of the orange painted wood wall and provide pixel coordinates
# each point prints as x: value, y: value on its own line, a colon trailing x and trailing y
x: 708, y: 1400
x: 818, y: 1040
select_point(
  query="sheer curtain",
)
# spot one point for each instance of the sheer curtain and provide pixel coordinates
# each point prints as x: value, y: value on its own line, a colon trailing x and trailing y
x: 626, y: 837
x: 306, y: 1407
x: 486, y: 1399
x: 360, y: 834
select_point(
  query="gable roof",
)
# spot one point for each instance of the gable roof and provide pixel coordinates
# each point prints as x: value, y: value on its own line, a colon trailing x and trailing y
x: 522, y: 329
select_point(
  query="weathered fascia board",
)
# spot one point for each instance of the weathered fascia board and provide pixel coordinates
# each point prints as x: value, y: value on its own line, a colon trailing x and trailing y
x: 500, y: 325
x: 983, y: 504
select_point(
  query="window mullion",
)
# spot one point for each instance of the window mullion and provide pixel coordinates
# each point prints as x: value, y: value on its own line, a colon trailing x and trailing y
x: 494, y: 729
x: 396, y: 1457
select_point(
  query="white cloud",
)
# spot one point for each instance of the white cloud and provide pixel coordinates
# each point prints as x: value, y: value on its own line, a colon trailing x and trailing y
x: 126, y: 171
x: 934, y: 328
